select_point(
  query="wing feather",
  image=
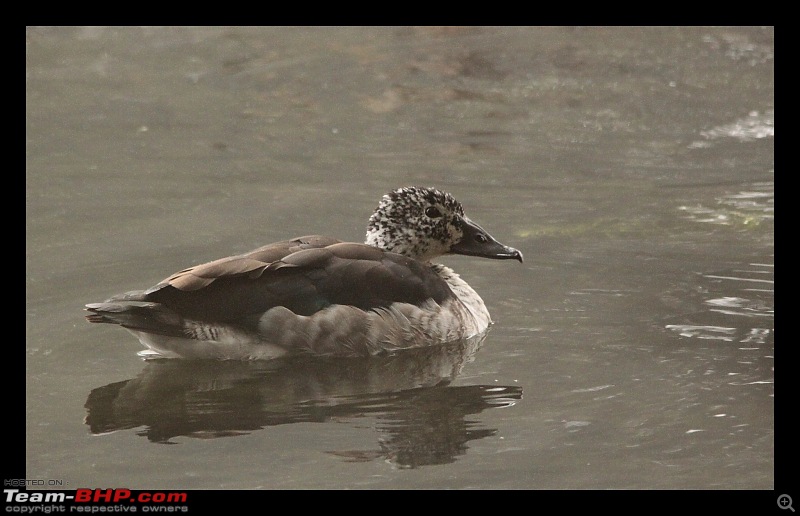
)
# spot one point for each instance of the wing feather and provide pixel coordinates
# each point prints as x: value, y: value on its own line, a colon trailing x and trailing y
x: 305, y: 275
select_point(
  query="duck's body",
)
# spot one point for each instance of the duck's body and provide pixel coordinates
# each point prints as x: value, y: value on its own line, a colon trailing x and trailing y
x: 318, y: 295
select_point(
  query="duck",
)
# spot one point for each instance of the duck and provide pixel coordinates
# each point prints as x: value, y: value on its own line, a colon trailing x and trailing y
x: 319, y: 295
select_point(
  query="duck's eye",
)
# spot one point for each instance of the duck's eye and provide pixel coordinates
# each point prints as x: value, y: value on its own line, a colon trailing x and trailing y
x: 433, y: 212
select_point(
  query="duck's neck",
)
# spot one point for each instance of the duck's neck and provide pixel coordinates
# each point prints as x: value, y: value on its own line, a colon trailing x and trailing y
x: 470, y: 299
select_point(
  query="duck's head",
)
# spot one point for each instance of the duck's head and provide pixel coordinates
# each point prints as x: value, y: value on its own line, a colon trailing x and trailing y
x: 424, y: 223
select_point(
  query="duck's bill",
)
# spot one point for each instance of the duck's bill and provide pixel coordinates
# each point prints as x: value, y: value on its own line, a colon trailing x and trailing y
x: 477, y: 242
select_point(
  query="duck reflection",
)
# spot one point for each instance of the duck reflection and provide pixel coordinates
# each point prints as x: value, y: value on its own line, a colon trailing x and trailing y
x: 421, y: 419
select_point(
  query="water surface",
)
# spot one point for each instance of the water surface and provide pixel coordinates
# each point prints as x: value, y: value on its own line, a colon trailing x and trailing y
x: 634, y: 168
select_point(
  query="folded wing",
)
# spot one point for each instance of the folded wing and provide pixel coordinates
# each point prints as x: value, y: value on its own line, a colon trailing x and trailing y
x: 304, y: 275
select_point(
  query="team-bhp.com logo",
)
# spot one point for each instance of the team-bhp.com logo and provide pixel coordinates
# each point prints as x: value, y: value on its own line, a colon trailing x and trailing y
x: 125, y: 499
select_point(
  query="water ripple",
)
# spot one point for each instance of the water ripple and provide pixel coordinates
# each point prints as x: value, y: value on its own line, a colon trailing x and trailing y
x: 746, y: 208
x: 732, y: 307
x: 756, y: 125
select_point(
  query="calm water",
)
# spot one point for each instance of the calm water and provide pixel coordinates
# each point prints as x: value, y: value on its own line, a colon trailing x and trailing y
x: 634, y: 168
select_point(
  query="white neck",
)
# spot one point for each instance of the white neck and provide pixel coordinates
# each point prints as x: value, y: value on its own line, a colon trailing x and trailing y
x: 470, y: 299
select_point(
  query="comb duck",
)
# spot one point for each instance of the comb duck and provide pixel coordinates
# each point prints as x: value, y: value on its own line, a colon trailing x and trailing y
x: 318, y: 295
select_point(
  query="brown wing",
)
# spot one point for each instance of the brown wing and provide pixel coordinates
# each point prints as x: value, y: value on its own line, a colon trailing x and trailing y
x: 252, y: 263
x: 304, y: 275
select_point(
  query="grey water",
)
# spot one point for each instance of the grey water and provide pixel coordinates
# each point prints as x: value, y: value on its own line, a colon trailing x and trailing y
x: 633, y: 167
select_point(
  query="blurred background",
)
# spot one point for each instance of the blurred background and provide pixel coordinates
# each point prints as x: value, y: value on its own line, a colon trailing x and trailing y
x: 633, y: 167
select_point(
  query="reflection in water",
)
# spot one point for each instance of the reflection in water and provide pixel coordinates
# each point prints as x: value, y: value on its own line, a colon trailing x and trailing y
x: 421, y: 418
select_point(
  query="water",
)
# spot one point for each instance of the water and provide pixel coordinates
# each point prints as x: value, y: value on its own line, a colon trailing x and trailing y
x: 633, y: 167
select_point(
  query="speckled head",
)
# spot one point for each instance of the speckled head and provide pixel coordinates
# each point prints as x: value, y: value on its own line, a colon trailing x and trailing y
x: 424, y: 223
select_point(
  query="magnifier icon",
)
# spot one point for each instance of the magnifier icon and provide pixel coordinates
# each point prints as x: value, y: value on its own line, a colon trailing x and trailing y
x: 785, y: 502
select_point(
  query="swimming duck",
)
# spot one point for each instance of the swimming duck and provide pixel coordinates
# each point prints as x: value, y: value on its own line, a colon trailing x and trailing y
x: 318, y: 295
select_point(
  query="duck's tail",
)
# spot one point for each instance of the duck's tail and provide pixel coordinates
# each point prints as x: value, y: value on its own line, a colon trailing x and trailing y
x: 142, y: 316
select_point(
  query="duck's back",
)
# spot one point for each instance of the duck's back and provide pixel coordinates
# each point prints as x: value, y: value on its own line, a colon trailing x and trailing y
x: 300, y: 275
x: 312, y: 293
